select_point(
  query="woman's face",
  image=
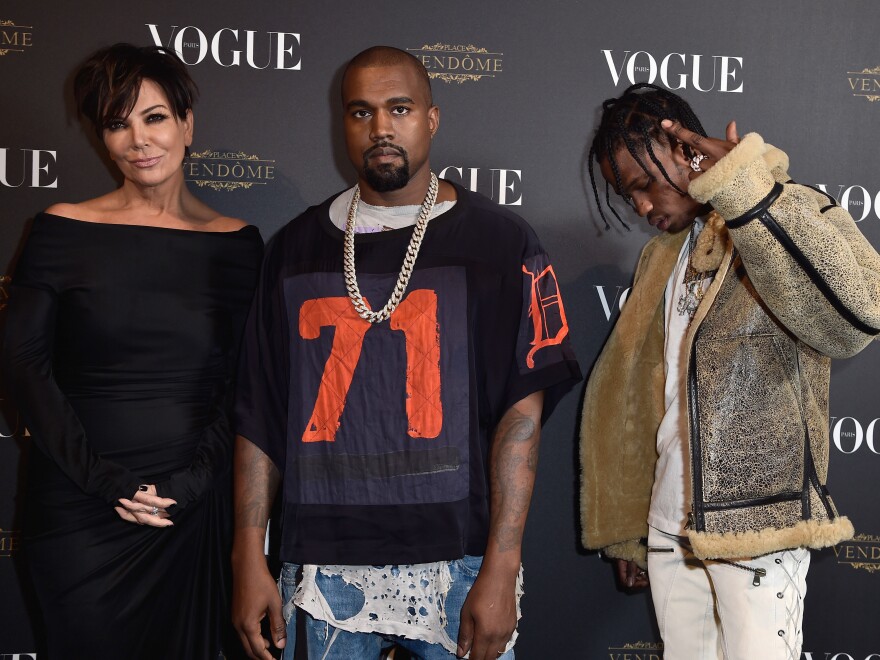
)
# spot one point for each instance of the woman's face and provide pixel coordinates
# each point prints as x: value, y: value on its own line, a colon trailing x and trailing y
x: 149, y: 145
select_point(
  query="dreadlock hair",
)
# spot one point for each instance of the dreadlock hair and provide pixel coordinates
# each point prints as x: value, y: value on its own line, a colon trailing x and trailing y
x: 633, y: 121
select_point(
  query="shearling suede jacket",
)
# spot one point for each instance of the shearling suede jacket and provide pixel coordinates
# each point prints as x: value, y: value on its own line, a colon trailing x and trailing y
x: 796, y: 284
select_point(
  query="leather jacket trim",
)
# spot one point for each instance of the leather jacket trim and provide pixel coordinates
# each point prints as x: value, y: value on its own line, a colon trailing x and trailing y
x: 759, y: 209
x: 809, y: 471
x: 831, y: 201
x: 696, y: 450
x: 755, y: 501
x: 809, y: 464
x: 811, y: 477
x: 823, y: 491
x: 785, y: 240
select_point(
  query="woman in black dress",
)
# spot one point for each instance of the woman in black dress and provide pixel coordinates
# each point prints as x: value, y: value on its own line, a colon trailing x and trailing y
x: 123, y: 324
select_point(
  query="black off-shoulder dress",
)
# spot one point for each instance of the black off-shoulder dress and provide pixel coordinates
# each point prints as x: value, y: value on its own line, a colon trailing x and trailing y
x: 119, y: 350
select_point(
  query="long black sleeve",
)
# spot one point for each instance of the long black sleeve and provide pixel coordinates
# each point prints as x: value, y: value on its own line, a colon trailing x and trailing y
x: 27, y: 368
x: 213, y: 457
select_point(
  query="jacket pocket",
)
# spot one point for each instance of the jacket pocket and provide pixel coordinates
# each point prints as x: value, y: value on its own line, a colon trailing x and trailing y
x: 751, y: 429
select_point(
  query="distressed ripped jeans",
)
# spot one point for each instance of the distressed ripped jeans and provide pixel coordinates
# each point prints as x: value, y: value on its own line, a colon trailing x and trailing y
x: 327, y: 642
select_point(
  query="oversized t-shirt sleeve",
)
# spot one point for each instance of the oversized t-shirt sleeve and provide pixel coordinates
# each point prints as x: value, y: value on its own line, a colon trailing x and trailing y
x: 262, y: 387
x: 544, y: 357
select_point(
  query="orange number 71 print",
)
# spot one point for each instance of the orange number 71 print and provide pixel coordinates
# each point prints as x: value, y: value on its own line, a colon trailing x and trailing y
x: 416, y: 317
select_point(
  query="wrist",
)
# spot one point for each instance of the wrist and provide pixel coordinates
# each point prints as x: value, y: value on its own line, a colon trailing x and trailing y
x: 501, y: 565
x: 248, y: 546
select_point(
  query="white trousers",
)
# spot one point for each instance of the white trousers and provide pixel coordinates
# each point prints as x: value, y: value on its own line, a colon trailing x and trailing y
x: 714, y: 610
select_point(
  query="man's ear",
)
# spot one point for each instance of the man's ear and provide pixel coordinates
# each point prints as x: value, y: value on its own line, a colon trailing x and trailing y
x: 676, y: 149
x: 433, y: 120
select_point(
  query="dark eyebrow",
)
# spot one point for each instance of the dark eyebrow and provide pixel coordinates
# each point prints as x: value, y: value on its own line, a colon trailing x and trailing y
x: 395, y: 100
x: 636, y: 180
x: 152, y: 107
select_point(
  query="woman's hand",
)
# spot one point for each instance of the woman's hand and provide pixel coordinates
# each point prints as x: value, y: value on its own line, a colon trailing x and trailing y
x: 707, y: 150
x: 146, y: 508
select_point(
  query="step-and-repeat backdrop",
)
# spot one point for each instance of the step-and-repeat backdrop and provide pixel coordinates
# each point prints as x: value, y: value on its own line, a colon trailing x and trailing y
x: 519, y: 85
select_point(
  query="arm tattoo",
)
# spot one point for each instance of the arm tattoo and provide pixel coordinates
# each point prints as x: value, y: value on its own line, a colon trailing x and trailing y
x: 513, y: 463
x: 256, y: 480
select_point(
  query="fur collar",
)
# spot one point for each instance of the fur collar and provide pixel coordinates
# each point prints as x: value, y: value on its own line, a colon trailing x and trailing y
x: 711, y: 244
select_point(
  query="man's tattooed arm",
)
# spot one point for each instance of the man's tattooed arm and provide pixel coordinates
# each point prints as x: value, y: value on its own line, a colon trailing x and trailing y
x: 488, y: 617
x: 513, y: 461
x: 254, y: 594
x: 255, y: 482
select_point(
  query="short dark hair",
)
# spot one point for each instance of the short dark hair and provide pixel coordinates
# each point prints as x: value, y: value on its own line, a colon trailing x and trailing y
x: 633, y: 121
x: 107, y: 85
x: 390, y: 56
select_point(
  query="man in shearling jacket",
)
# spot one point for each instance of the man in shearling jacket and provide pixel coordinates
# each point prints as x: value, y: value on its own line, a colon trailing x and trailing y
x: 705, y: 423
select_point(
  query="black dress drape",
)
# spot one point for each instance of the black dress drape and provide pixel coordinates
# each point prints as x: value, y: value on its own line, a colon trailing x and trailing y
x: 120, y: 346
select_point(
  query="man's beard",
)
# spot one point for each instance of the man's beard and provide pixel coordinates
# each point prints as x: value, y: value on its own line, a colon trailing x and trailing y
x: 387, y: 177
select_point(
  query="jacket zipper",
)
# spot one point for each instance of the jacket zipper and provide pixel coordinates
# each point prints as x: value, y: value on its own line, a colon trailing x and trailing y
x: 810, y: 475
x: 696, y: 518
x: 806, y: 514
x: 754, y: 501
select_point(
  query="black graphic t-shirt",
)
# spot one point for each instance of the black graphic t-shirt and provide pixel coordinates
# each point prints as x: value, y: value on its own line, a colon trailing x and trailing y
x: 382, y: 431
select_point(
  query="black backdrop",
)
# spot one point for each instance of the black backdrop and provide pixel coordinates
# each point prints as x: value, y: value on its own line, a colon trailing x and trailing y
x: 519, y: 84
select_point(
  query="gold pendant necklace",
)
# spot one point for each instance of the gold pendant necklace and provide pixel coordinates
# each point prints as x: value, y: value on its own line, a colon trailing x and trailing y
x: 689, y: 300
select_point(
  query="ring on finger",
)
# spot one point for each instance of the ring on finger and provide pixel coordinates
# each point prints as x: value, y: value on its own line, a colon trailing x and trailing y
x: 696, y: 160
x: 154, y: 511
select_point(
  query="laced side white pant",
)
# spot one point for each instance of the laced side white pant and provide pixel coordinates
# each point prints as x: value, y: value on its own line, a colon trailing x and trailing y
x: 718, y: 610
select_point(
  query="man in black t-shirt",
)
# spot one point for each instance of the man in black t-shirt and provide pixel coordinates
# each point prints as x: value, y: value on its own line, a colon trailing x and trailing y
x: 403, y: 438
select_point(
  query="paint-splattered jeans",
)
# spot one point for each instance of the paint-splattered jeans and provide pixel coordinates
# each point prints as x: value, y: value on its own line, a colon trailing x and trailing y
x: 326, y: 642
